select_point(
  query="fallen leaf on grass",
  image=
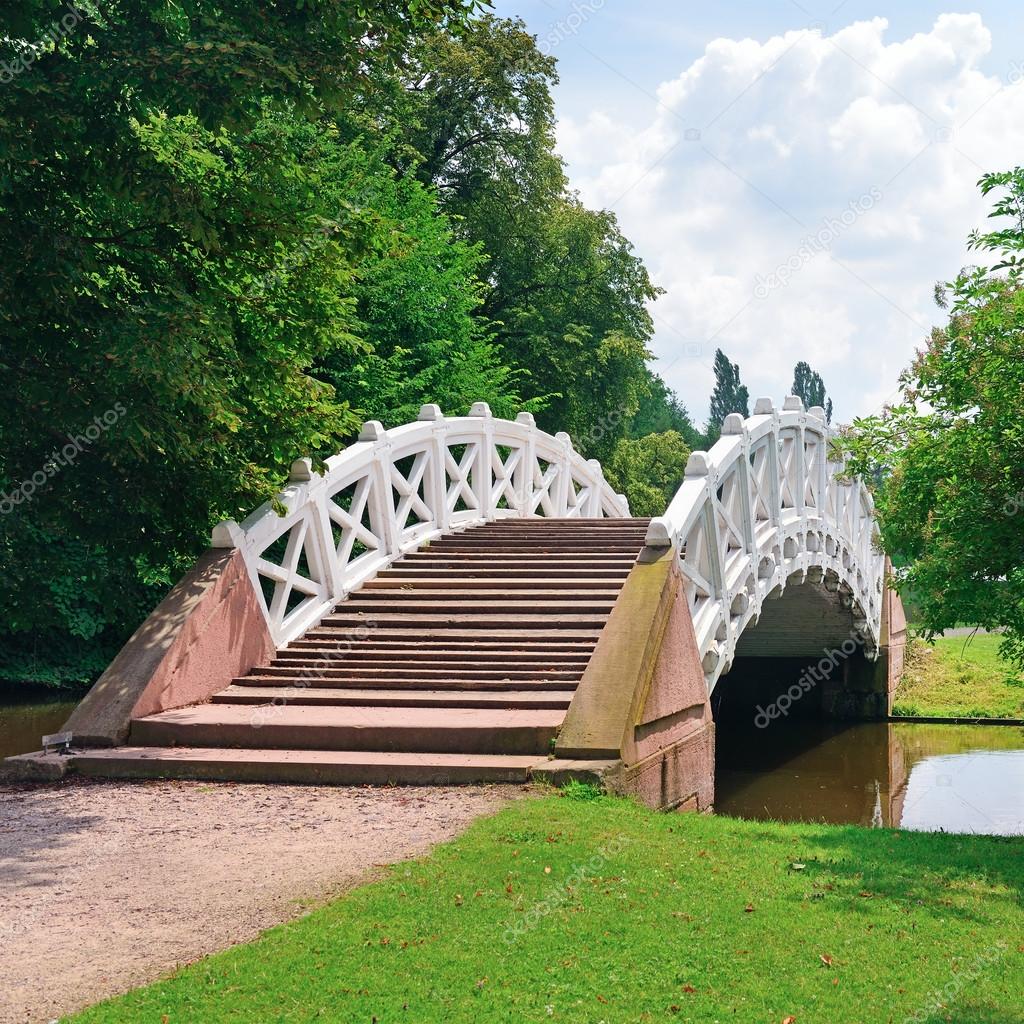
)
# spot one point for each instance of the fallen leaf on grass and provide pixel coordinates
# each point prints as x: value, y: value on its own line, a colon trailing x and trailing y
x: 749, y: 908
x: 825, y: 959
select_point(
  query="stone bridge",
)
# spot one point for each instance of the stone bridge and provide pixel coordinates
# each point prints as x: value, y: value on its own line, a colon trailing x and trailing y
x: 467, y: 599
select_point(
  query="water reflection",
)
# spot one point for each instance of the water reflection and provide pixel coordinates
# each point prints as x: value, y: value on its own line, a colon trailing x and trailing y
x: 953, y: 778
x: 24, y: 720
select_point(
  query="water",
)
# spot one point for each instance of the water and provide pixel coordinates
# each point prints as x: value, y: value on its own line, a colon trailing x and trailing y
x: 25, y: 719
x: 950, y: 778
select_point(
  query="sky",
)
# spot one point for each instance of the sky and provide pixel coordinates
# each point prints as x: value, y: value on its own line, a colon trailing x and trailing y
x: 797, y: 176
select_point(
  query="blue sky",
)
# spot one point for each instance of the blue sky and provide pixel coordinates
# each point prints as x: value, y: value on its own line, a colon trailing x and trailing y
x: 796, y: 175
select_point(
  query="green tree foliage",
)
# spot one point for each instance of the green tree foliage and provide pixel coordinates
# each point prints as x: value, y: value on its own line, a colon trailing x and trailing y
x: 728, y: 396
x: 808, y: 386
x: 648, y: 470
x: 171, y: 274
x: 661, y: 410
x: 232, y: 231
x: 564, y: 291
x: 417, y: 296
x: 952, y: 498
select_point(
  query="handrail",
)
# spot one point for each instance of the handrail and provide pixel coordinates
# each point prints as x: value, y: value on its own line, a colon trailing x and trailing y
x: 763, y: 506
x: 392, y: 491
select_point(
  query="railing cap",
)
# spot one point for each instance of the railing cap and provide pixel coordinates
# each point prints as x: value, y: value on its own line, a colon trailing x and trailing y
x: 373, y: 430
x: 733, y: 424
x: 698, y: 464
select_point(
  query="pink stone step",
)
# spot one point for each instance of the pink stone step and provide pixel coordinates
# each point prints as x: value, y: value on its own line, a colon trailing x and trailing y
x: 313, y: 767
x: 416, y: 730
x: 266, y: 695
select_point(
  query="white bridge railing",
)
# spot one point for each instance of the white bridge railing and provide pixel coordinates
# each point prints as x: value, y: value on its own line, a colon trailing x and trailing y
x: 764, y: 506
x: 395, y: 489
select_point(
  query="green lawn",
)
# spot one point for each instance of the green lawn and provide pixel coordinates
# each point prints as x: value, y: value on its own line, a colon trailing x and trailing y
x: 960, y: 677
x: 562, y: 909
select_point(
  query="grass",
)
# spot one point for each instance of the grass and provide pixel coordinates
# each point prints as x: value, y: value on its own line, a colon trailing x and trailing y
x: 959, y: 677
x: 590, y: 909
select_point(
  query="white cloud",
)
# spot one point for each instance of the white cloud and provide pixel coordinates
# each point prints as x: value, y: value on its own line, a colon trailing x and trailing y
x: 792, y: 130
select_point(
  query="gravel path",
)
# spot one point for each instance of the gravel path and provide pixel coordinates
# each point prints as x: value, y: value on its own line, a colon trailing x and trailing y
x: 107, y: 885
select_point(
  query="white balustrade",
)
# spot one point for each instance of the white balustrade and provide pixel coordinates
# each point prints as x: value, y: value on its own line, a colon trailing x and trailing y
x: 765, y: 507
x: 396, y: 489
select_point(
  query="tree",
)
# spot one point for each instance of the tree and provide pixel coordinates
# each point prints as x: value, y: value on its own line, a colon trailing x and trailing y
x: 729, y: 395
x: 171, y: 279
x: 564, y: 291
x: 661, y: 410
x: 951, y: 456
x: 648, y: 470
x: 808, y: 386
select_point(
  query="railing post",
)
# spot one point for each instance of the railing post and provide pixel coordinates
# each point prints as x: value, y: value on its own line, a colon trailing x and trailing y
x: 798, y: 472
x: 561, y: 496
x: 765, y: 407
x: 734, y: 427
x: 326, y: 561
x: 593, y: 508
x: 527, y: 465
x: 381, y: 502
x: 435, y: 486
x: 482, y: 483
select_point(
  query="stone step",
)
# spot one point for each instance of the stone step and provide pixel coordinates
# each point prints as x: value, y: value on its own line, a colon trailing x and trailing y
x: 456, y: 663
x: 445, y: 619
x: 468, y: 589
x: 541, y: 525
x: 483, y: 602
x: 439, y: 698
x: 408, y: 730
x: 597, y: 537
x: 445, y: 583
x: 450, y: 682
x: 304, y: 767
x: 466, y: 671
x: 494, y: 553
x: 540, y: 549
x: 541, y: 638
x: 423, y: 653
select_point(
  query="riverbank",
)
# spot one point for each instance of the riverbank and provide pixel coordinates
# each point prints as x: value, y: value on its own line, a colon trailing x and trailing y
x: 581, y: 910
x: 104, y: 886
x: 959, y: 677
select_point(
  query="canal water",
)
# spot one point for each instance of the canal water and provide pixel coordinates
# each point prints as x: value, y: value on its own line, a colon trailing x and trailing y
x: 951, y: 778
x: 25, y: 719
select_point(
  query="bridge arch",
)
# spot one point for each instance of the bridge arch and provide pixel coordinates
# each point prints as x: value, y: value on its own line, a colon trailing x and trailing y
x: 765, y: 509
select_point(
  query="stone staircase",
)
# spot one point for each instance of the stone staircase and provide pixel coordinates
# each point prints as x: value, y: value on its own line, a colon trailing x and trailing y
x: 456, y: 664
